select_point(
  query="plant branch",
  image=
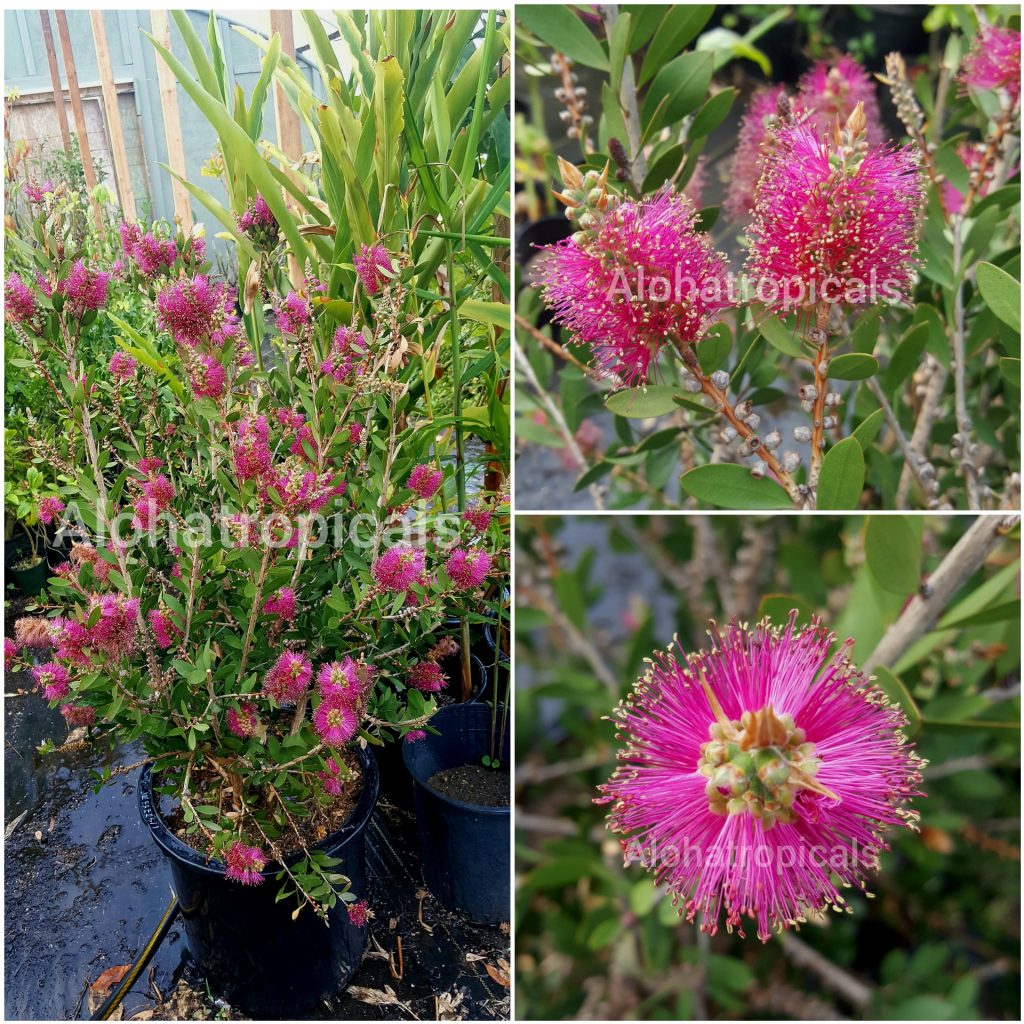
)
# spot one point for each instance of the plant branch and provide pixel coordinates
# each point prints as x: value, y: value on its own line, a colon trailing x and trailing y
x: 969, y: 554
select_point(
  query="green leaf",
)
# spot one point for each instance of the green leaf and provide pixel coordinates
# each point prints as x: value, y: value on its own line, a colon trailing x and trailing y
x: 563, y: 30
x: 683, y: 84
x: 642, y: 403
x: 1001, y: 293
x: 680, y: 27
x: 1010, y: 369
x: 778, y: 334
x: 493, y: 313
x: 895, y: 690
x: 892, y: 549
x: 778, y: 606
x: 731, y: 486
x: 1009, y: 610
x: 842, y: 476
x: 852, y: 366
x: 906, y: 357
x: 865, y: 335
x: 869, y: 428
x: 714, y: 348
x: 712, y: 114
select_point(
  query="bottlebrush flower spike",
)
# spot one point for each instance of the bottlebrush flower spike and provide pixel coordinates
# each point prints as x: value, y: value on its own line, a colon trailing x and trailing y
x: 424, y: 480
x: 335, y: 720
x: 993, y: 62
x: 641, y: 274
x: 374, y: 268
x: 755, y: 137
x: 830, y: 92
x: 245, y: 863
x: 19, y: 302
x: 834, y: 221
x: 744, y: 763
x: 122, y: 366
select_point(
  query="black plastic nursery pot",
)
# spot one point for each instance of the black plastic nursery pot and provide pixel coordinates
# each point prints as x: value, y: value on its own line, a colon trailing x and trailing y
x: 395, y: 783
x: 464, y: 847
x: 31, y: 581
x: 253, y: 953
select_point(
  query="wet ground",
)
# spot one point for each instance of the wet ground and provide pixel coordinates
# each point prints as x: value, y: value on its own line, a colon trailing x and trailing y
x: 85, y: 887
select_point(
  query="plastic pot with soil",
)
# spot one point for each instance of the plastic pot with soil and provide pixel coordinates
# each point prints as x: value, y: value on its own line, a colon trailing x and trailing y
x: 463, y: 812
x: 255, y: 952
x: 395, y: 783
x: 27, y: 568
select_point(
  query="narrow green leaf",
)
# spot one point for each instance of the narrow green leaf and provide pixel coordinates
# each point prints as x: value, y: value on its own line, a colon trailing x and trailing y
x: 869, y: 428
x: 1001, y: 293
x: 563, y: 30
x: 683, y: 83
x: 712, y: 114
x: 1010, y: 369
x: 642, y: 403
x: 852, y: 366
x: 778, y: 334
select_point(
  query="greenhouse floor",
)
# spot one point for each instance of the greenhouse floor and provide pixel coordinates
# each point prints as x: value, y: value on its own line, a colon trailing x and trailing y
x: 85, y: 887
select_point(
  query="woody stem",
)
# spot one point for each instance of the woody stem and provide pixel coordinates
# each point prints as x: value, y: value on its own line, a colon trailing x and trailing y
x: 720, y: 399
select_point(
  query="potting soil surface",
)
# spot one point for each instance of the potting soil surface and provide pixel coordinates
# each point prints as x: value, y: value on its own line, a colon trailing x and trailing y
x: 473, y: 783
x: 85, y: 887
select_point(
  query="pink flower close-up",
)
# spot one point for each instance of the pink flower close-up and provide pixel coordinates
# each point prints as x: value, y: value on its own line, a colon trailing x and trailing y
x: 468, y: 568
x: 399, y: 568
x: 643, y: 275
x: 335, y: 721
x: 424, y: 480
x: 993, y: 62
x: 427, y: 677
x: 741, y: 761
x: 19, y: 301
x: 289, y: 678
x: 49, y: 509
x: 122, y: 366
x: 374, y: 268
x: 244, y: 863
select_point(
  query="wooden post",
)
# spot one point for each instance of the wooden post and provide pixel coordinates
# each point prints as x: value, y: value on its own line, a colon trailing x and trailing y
x: 289, y: 130
x: 58, y: 88
x: 79, y: 114
x: 117, y: 147
x: 172, y: 122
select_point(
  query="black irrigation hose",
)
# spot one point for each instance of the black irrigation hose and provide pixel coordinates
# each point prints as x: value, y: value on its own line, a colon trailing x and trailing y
x: 114, y: 999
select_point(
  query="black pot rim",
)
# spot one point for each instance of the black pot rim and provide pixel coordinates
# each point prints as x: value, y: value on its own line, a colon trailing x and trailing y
x: 178, y: 850
x: 463, y: 805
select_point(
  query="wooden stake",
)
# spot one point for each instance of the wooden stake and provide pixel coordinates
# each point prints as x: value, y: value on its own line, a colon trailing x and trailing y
x: 79, y: 114
x: 289, y: 130
x: 172, y: 122
x: 117, y: 147
x: 58, y: 88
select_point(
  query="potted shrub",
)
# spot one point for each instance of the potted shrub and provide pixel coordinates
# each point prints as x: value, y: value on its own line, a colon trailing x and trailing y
x: 248, y: 595
x: 29, y: 512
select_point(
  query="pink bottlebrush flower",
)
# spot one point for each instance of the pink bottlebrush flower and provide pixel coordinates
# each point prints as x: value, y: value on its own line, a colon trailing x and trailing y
x: 160, y: 490
x: 830, y: 92
x: 150, y: 254
x: 259, y: 223
x: 54, y: 679
x: 993, y: 62
x: 348, y: 350
x: 415, y: 735
x: 78, y: 714
x: 244, y: 863
x: 834, y: 228
x: 374, y: 268
x: 478, y: 515
x: 643, y: 274
x: 424, y: 480
x: 195, y: 310
x: 348, y: 680
x: 150, y: 464
x: 36, y: 191
x: 427, y: 677
x: 298, y: 489
x: 208, y: 377
x: 289, y: 678
x: 294, y: 314
x: 754, y: 140
x: 330, y: 778
x: 743, y: 761
x: 49, y: 509
x: 290, y: 419
x: 358, y: 913
x: 195, y: 246
x: 70, y: 641
x: 116, y: 633
x: 164, y: 629
x: 122, y: 366
x: 972, y: 155
x: 303, y: 436
x: 19, y: 301
x: 355, y: 432
x: 468, y: 568
x: 84, y: 290
x: 243, y: 721
x: 281, y: 604
x: 251, y: 450
x: 399, y: 568
x: 335, y: 720
x: 11, y: 650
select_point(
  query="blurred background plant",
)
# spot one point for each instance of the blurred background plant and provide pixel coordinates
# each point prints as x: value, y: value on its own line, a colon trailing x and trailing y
x: 941, y: 938
x: 659, y: 93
